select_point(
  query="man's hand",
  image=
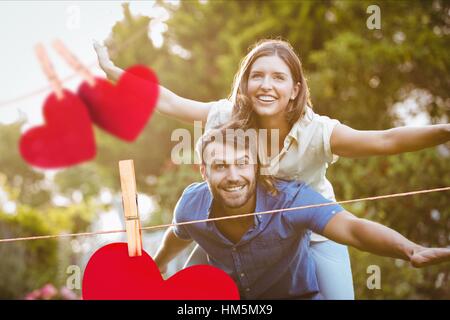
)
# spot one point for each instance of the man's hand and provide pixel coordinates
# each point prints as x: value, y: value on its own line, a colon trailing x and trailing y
x: 163, y: 269
x: 423, y: 257
x: 161, y: 266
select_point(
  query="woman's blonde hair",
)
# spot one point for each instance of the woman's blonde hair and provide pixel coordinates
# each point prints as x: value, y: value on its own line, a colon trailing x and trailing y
x: 242, y: 106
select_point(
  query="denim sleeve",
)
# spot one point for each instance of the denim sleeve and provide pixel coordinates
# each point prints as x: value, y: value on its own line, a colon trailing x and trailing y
x: 180, y: 231
x: 315, y: 218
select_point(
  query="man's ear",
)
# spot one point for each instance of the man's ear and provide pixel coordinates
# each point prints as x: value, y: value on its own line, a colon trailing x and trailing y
x: 203, y: 171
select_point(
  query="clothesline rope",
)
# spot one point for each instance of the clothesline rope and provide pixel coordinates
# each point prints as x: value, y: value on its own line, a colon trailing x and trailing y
x: 394, y: 195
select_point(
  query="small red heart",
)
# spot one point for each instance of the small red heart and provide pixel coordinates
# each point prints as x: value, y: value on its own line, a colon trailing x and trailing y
x: 112, y: 275
x: 124, y: 109
x: 66, y: 138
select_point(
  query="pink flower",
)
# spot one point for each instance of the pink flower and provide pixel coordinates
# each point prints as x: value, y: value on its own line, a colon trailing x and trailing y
x: 33, y: 295
x: 68, y: 294
x: 48, y: 291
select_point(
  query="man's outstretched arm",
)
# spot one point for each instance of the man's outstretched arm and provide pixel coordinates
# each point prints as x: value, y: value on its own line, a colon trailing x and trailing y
x: 373, y: 237
x: 170, y: 247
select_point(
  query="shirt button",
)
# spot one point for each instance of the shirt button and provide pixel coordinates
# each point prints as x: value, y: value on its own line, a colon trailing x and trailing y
x: 242, y: 275
x: 234, y: 249
x: 247, y: 290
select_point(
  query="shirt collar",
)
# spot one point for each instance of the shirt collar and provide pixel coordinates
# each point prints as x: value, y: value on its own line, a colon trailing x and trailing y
x: 303, y: 121
x: 293, y: 133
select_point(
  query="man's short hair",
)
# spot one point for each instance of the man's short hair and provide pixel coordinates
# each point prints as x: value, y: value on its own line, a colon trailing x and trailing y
x: 231, y: 134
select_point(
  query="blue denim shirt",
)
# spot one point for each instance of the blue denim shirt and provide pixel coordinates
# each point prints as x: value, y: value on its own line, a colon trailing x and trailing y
x: 272, y: 260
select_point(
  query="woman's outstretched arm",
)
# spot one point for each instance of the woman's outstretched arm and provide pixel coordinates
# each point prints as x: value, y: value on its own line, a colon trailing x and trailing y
x: 169, y: 103
x: 348, y: 142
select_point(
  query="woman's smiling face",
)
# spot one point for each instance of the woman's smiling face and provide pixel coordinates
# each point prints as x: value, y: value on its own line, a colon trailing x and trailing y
x: 270, y: 86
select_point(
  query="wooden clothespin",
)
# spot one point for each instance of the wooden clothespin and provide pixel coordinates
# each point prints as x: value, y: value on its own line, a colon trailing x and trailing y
x: 73, y: 61
x: 130, y: 207
x: 49, y: 71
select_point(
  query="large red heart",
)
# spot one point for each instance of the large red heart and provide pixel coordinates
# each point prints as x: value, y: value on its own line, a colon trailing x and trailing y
x: 112, y: 275
x: 124, y: 109
x: 66, y: 138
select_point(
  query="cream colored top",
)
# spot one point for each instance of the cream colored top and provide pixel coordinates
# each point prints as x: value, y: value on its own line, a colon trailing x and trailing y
x: 305, y: 155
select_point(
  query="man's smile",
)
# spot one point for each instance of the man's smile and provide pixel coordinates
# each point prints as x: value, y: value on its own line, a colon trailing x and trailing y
x: 233, y: 189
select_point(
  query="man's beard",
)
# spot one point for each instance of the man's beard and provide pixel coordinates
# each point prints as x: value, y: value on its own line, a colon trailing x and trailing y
x: 235, y: 199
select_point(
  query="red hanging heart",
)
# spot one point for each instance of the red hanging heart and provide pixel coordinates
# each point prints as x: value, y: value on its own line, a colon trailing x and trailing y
x: 124, y: 109
x: 66, y: 138
x: 112, y: 275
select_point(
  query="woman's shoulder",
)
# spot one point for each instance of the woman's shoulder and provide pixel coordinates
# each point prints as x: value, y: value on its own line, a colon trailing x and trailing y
x: 311, y: 117
x: 219, y: 113
x: 315, y: 130
x: 314, y: 123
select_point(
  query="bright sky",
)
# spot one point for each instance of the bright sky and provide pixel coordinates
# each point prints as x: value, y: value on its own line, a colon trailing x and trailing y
x: 25, y: 23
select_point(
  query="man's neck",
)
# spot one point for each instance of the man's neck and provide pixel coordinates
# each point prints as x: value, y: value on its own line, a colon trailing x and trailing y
x: 234, y: 229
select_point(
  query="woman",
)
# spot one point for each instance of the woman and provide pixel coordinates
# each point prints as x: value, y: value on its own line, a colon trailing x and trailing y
x: 270, y: 92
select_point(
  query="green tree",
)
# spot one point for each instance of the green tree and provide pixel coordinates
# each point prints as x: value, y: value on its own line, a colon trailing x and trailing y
x: 26, y: 182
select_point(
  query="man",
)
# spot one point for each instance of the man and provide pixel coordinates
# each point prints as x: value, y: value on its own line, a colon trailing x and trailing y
x: 268, y: 255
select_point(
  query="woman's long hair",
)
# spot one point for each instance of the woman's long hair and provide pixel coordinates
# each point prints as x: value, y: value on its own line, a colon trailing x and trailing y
x: 242, y: 106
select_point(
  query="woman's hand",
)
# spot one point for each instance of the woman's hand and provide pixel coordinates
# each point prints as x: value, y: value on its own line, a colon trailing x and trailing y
x: 105, y: 62
x: 168, y: 103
